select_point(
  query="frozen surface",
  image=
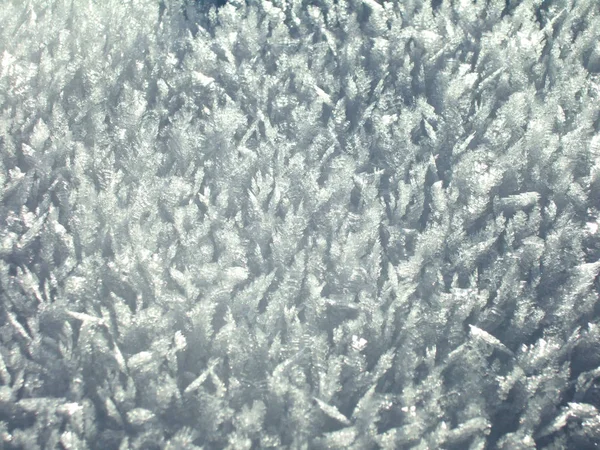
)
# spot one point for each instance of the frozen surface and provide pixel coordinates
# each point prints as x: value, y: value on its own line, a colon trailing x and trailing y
x: 299, y: 224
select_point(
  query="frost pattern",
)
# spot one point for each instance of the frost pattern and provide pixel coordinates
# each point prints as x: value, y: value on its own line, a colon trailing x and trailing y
x: 299, y: 224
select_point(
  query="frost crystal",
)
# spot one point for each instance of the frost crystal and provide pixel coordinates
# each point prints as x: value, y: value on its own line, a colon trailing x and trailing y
x: 292, y: 224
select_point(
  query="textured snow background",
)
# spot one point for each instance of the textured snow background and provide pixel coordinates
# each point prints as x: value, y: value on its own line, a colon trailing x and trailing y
x: 299, y: 224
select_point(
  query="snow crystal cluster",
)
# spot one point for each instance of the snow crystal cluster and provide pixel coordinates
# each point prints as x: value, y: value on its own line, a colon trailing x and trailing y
x: 302, y: 224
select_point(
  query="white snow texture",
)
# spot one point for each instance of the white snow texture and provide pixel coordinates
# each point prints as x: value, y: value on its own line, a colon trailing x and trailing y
x: 299, y: 224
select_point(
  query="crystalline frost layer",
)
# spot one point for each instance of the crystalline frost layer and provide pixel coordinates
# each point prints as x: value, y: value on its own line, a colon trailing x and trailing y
x: 299, y: 224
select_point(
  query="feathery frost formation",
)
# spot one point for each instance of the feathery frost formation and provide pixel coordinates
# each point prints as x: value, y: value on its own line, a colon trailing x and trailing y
x: 299, y: 224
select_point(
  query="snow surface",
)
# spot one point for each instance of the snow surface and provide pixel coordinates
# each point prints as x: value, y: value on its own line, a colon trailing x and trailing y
x: 299, y: 224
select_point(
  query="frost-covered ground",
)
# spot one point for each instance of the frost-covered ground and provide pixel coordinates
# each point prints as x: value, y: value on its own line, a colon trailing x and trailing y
x: 299, y: 224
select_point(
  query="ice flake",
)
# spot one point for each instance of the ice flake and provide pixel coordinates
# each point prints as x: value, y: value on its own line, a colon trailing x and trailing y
x: 235, y: 275
x: 468, y: 429
x: 179, y: 341
x: 202, y: 79
x: 86, y: 318
x: 340, y: 439
x: 119, y: 358
x: 579, y: 411
x: 112, y: 411
x: 195, y: 385
x: 139, y: 360
x: 40, y: 135
x: 70, y: 409
x: 70, y: 441
x: 358, y: 344
x: 332, y: 412
x: 325, y: 98
x: 139, y: 416
x: 592, y: 227
x: 7, y: 61
x: 488, y: 338
x: 517, y: 202
x: 5, y: 377
x: 462, y: 146
x: 373, y: 5
x: 33, y: 232
x: 19, y: 329
x: 183, y: 438
x: 584, y: 276
x: 389, y: 119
